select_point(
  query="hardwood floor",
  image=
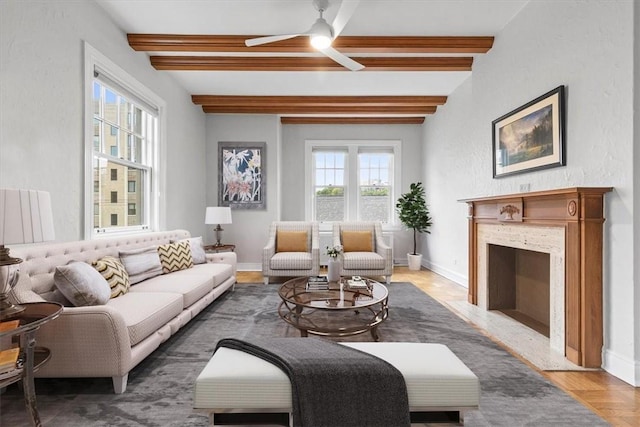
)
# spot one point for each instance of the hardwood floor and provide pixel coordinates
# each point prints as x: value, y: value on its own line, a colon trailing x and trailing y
x: 613, y: 399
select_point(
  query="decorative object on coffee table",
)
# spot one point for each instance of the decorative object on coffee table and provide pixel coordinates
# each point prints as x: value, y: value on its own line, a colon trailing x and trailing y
x: 25, y: 217
x: 333, y: 265
x: 218, y: 215
x: 413, y: 213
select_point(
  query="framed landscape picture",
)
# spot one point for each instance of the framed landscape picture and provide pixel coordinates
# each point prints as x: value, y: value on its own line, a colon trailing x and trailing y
x: 241, y: 175
x: 530, y: 137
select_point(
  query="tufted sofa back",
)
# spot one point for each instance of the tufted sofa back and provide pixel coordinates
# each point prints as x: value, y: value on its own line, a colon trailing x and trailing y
x: 40, y: 261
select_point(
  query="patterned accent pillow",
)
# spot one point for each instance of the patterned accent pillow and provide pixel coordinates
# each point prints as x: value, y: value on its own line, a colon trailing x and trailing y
x: 197, y: 249
x: 175, y: 256
x: 357, y: 241
x: 115, y: 274
x: 291, y: 241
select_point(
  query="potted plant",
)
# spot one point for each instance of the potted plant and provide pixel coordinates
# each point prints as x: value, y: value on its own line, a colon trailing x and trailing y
x: 413, y: 213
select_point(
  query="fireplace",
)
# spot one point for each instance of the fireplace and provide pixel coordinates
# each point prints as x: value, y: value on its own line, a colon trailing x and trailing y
x: 538, y: 258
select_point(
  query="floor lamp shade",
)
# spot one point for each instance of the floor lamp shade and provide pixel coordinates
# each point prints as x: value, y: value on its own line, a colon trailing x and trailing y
x: 25, y: 217
x: 218, y: 215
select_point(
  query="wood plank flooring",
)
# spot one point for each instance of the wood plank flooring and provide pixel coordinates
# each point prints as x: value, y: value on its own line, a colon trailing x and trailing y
x: 614, y: 400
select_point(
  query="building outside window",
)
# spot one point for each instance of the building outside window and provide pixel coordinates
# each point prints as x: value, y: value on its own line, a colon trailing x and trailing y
x: 352, y: 180
x: 125, y: 123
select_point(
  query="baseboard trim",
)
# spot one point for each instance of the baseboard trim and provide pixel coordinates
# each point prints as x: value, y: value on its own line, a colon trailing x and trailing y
x: 628, y: 370
x: 460, y: 279
x: 248, y: 266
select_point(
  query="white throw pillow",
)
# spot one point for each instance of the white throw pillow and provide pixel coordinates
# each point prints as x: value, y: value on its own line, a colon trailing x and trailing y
x: 141, y: 263
x: 81, y: 284
x: 197, y: 249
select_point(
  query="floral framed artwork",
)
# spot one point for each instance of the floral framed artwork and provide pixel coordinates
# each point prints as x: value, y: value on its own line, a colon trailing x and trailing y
x: 241, y: 175
x: 531, y: 137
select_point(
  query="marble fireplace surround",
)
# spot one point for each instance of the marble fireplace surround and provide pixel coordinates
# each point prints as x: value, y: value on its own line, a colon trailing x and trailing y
x: 568, y: 225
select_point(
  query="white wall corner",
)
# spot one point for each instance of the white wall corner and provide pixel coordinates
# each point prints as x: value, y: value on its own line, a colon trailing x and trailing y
x: 460, y: 279
x: 628, y: 370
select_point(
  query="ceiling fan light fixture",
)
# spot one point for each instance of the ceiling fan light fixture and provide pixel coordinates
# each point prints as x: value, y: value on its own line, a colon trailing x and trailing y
x: 321, y: 34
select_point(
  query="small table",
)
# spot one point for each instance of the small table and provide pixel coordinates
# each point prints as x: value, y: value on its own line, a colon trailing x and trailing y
x: 35, y: 315
x: 337, y: 312
x: 219, y: 248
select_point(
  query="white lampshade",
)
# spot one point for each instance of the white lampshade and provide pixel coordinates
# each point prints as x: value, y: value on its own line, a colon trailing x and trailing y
x: 218, y: 215
x: 25, y: 216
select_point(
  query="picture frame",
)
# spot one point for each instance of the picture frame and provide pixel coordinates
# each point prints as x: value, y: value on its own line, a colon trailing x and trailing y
x: 241, y: 175
x: 531, y: 137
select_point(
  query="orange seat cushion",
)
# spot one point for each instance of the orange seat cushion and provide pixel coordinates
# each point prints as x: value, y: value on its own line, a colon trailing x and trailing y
x: 357, y: 241
x: 291, y: 241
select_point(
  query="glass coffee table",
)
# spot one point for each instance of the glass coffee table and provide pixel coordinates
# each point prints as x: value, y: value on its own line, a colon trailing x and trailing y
x: 337, y: 312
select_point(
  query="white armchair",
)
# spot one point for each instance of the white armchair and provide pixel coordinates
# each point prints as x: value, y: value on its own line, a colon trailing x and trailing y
x: 292, y: 250
x: 365, y: 252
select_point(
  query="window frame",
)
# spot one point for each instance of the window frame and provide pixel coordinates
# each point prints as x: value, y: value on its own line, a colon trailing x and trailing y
x: 155, y: 209
x: 352, y: 179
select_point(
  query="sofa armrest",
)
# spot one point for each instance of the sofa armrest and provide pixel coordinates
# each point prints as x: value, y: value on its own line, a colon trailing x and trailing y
x: 268, y: 252
x: 224, y: 258
x: 86, y: 342
x: 384, y: 250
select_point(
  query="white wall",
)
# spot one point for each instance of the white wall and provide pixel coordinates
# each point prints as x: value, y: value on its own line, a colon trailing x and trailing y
x: 41, y: 110
x: 636, y: 180
x: 588, y: 47
x: 250, y: 228
x: 295, y: 168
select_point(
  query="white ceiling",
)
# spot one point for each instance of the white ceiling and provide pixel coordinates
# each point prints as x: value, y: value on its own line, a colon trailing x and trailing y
x: 267, y: 17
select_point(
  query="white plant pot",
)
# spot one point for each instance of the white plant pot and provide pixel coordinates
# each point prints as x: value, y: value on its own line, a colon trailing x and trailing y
x: 333, y: 270
x: 415, y: 261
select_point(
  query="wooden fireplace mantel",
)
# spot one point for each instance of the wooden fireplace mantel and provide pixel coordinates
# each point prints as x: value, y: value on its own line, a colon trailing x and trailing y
x: 579, y: 211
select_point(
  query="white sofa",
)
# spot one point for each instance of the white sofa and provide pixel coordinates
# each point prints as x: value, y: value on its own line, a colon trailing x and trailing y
x: 110, y: 340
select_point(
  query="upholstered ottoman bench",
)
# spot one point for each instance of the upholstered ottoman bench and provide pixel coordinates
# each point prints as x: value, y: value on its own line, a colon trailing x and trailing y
x: 236, y: 387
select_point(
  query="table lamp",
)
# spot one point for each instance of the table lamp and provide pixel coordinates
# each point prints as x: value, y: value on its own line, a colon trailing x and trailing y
x: 218, y: 215
x: 25, y: 217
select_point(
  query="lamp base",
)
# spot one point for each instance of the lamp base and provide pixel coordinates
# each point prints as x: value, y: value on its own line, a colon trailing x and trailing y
x: 8, y: 279
x: 218, y: 231
x: 8, y: 310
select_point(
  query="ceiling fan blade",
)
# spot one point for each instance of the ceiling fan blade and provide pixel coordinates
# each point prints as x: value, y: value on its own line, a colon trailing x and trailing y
x: 344, y: 14
x: 269, y: 39
x: 343, y: 60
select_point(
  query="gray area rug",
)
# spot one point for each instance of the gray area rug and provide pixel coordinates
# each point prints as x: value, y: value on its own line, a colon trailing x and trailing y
x: 161, y: 387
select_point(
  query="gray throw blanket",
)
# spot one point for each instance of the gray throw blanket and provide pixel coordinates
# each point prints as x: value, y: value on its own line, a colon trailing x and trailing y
x: 333, y: 385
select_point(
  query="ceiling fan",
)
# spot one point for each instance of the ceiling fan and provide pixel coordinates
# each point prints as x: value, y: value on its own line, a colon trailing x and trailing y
x: 321, y: 33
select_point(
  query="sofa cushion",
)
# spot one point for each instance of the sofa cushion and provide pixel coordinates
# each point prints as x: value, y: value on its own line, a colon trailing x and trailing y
x: 146, y: 312
x: 362, y: 261
x: 81, y: 284
x: 197, y: 249
x: 357, y: 241
x: 291, y: 261
x: 141, y: 263
x: 192, y: 284
x: 291, y: 241
x: 114, y: 273
x: 175, y: 256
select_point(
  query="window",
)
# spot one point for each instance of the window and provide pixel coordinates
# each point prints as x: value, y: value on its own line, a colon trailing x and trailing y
x: 123, y: 147
x: 352, y: 180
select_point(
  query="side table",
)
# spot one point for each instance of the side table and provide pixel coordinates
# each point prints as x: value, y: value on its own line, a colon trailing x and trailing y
x: 35, y: 315
x: 214, y: 249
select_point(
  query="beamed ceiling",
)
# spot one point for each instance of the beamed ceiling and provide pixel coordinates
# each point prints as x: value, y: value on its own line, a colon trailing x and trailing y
x: 412, y: 55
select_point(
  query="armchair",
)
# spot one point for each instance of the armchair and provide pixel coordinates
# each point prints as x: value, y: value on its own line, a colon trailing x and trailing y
x: 292, y: 250
x: 365, y: 252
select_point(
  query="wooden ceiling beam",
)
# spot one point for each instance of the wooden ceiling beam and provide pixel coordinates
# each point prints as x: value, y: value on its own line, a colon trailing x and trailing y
x: 289, y: 63
x: 378, y: 120
x: 346, y: 44
x: 295, y: 109
x: 319, y: 101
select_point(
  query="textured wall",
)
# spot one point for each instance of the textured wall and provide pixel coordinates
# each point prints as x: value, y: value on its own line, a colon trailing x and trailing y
x: 41, y: 110
x: 587, y: 46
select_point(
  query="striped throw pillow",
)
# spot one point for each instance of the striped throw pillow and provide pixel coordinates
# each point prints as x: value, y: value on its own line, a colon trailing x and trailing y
x: 113, y: 271
x: 175, y: 256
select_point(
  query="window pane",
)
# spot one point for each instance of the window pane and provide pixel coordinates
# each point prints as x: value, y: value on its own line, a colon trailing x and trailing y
x: 374, y: 203
x: 97, y: 132
x: 111, y: 106
x: 137, y: 120
x: 113, y: 199
x: 329, y: 203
